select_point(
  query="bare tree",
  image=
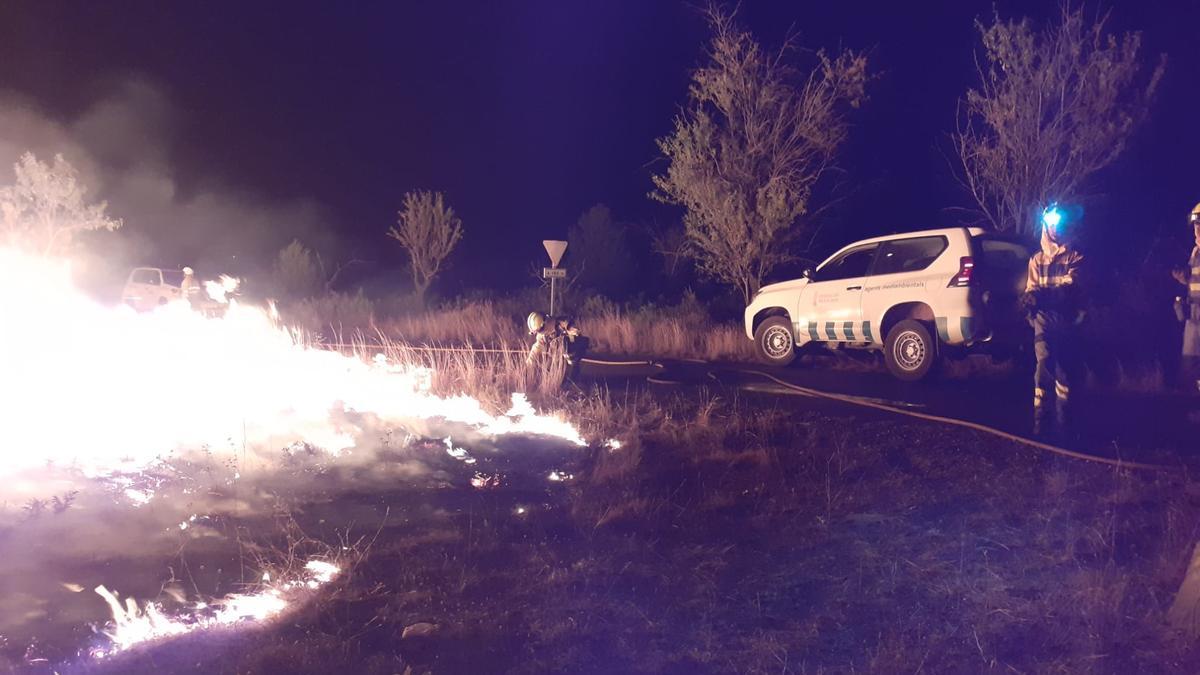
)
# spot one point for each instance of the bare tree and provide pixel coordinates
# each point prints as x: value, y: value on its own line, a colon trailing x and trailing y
x: 746, y: 153
x: 45, y: 208
x: 1053, y: 107
x: 429, y: 230
x: 671, y: 244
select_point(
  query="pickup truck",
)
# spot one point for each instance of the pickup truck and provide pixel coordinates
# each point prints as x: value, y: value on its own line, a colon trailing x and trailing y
x: 916, y: 296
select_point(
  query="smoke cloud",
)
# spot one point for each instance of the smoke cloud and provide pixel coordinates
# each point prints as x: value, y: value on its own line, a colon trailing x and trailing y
x: 121, y: 144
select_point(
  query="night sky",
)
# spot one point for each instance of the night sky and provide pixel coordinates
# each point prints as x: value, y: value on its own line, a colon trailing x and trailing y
x: 526, y: 113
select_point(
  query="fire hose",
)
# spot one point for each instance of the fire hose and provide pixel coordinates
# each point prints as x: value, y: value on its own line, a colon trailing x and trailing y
x: 858, y: 401
x: 975, y: 426
x: 816, y: 393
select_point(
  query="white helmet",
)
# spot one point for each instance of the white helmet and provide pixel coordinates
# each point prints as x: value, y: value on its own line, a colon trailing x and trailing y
x: 535, y: 321
x: 187, y: 270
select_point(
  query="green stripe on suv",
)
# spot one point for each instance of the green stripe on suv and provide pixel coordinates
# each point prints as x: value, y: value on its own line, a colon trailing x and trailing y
x: 942, y: 328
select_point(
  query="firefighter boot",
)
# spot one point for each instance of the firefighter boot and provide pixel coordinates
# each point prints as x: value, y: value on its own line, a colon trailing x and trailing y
x: 1042, y: 424
x: 1064, y: 416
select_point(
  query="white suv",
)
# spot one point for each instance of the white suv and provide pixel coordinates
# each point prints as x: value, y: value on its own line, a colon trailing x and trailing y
x: 150, y: 287
x: 909, y: 294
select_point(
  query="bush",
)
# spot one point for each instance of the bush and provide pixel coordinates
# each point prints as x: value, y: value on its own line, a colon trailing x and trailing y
x: 333, y: 316
x: 297, y: 273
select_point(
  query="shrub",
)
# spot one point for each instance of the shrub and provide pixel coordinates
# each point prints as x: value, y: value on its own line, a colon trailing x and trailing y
x: 334, y: 316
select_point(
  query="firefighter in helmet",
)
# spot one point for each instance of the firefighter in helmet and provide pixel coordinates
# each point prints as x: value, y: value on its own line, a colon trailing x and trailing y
x: 188, y: 285
x: 1189, y: 308
x: 1054, y: 302
x: 547, y: 331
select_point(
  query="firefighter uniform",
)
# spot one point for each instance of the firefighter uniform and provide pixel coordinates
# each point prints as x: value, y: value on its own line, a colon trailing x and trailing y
x: 1053, y: 299
x: 1191, y: 327
x: 188, y: 285
x: 547, y: 331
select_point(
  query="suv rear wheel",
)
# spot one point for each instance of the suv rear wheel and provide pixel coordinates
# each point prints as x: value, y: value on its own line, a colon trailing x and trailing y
x: 910, y: 350
x: 774, y: 342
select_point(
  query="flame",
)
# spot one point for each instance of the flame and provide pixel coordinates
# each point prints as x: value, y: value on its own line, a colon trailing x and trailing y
x: 133, y: 624
x: 221, y: 290
x: 109, y: 390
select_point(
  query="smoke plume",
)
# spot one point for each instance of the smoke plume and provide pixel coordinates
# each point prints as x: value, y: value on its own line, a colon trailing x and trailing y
x: 121, y: 144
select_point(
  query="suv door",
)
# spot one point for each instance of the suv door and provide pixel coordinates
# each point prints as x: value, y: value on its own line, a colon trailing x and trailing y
x: 901, y: 273
x: 832, y: 299
x: 1002, y: 265
x: 144, y: 290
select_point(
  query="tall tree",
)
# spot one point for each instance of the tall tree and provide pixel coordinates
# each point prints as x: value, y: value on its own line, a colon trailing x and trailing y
x: 45, y: 208
x: 1053, y: 107
x: 746, y: 153
x: 297, y: 273
x: 428, y: 230
x: 600, y: 250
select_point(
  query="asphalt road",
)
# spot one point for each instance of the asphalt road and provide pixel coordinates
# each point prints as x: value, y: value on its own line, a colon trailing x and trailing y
x: 1161, y: 427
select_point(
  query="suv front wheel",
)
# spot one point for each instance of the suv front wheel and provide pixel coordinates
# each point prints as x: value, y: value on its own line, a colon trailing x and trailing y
x: 910, y: 350
x: 774, y: 342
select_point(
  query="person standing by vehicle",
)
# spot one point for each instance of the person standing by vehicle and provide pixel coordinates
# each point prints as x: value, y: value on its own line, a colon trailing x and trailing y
x: 188, y: 284
x: 1054, y: 302
x: 1189, y: 309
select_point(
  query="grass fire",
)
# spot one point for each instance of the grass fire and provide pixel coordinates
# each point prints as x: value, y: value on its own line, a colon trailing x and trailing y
x: 613, y: 337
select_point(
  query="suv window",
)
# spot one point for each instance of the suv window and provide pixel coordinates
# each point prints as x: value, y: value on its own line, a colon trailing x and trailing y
x: 851, y: 264
x: 1002, y: 264
x: 909, y: 255
x: 145, y: 277
x: 1001, y: 253
x: 173, y: 277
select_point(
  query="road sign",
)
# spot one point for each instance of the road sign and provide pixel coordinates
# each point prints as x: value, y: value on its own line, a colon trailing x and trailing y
x: 555, y: 250
x: 554, y: 273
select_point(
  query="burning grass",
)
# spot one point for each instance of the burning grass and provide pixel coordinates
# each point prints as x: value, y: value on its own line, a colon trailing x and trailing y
x: 716, y: 532
x: 736, y: 533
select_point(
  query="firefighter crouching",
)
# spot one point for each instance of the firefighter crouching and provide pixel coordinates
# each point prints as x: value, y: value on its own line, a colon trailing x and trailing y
x: 1054, y: 302
x: 547, y: 331
x: 1188, y: 307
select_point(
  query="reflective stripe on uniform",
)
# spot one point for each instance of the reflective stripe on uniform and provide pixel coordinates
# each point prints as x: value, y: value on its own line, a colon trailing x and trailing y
x: 1061, y: 390
x: 1038, y: 395
x: 1194, y: 278
x: 1057, y: 271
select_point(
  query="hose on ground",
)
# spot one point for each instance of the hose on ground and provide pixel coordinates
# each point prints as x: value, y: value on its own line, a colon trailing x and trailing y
x: 854, y: 400
x: 975, y: 426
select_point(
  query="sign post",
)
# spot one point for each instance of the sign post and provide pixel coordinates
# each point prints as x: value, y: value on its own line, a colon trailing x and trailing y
x: 555, y: 250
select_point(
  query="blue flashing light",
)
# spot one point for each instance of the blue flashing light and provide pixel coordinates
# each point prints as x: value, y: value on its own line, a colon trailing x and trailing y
x: 1052, y: 217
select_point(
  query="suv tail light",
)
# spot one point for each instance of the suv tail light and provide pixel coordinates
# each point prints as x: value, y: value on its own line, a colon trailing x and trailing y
x: 966, y: 266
